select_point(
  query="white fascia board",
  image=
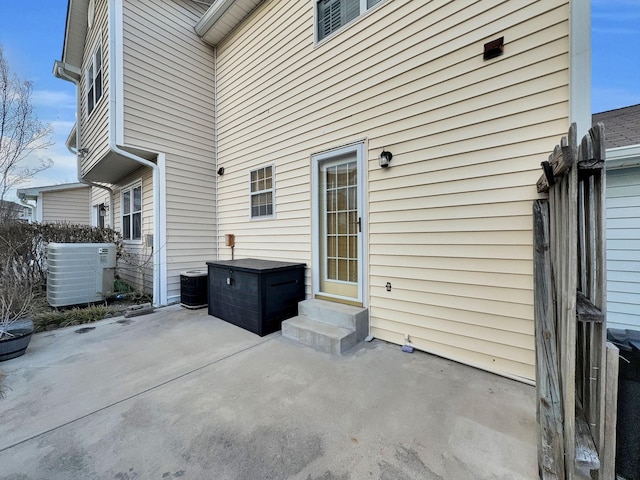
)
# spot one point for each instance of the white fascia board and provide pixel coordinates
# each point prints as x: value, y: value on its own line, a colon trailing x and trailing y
x: 33, y: 192
x: 622, y: 157
x: 214, y: 13
x: 75, y: 32
x: 222, y: 17
x: 580, y: 65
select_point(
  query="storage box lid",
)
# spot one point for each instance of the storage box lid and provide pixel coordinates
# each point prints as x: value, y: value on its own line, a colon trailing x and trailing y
x: 253, y: 264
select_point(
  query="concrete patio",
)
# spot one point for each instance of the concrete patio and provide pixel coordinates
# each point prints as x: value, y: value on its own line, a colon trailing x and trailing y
x: 180, y: 394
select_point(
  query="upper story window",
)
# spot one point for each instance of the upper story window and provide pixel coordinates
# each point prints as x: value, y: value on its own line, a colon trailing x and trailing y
x: 132, y: 212
x: 333, y: 14
x: 262, y: 192
x: 94, y: 80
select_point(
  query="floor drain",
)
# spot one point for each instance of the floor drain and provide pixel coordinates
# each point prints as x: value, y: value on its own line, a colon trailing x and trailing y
x: 85, y: 329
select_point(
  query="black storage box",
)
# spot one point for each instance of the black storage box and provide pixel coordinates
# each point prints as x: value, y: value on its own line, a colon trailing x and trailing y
x: 627, y: 431
x: 255, y: 294
x: 193, y: 288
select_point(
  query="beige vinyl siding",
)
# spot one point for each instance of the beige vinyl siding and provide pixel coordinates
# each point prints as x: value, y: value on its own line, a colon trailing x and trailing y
x: 169, y: 108
x: 449, y: 223
x: 136, y: 267
x: 95, y: 127
x: 67, y: 206
x: 98, y: 196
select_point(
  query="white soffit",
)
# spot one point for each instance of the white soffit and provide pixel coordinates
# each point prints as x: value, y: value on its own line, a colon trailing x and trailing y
x: 222, y: 17
x: 75, y: 32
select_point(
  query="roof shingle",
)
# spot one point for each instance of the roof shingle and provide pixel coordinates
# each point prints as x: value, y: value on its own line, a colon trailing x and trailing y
x: 621, y: 126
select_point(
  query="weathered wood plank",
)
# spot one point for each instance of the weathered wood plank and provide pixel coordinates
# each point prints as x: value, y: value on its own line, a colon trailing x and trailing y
x: 586, y: 453
x: 549, y: 403
x: 561, y: 159
x: 574, y: 180
x: 569, y: 247
x: 608, y: 451
x: 586, y: 311
x: 588, y: 168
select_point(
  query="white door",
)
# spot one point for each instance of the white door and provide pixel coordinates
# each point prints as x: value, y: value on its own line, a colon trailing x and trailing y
x: 338, y: 201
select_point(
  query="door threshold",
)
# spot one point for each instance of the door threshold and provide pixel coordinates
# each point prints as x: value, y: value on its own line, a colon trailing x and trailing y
x: 353, y: 303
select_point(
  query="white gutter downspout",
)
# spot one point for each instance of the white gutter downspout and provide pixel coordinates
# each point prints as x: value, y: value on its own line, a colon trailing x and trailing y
x: 62, y: 70
x: 215, y: 146
x: 115, y: 115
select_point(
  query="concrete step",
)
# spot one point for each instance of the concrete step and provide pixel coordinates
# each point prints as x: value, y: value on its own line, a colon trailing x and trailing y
x: 335, y: 313
x: 322, y: 336
x: 327, y: 326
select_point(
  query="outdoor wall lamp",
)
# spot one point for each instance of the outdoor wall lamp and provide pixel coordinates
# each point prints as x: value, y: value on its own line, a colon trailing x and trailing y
x: 103, y: 210
x: 385, y: 158
x: 83, y: 151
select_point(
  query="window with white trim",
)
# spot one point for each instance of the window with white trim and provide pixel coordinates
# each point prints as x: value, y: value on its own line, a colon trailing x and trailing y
x: 94, y: 80
x: 262, y: 192
x: 132, y: 212
x: 332, y: 15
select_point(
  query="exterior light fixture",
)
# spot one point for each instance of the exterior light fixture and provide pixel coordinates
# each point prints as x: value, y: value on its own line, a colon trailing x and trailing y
x: 385, y: 158
x: 83, y: 151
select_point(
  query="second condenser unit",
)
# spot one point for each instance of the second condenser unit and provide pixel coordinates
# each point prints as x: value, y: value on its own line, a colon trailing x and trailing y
x: 79, y: 272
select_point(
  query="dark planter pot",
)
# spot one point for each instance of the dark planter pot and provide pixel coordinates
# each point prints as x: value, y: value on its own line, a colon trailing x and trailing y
x: 16, y: 345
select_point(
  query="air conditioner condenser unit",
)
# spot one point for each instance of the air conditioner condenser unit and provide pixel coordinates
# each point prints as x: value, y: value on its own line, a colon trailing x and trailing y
x: 79, y: 272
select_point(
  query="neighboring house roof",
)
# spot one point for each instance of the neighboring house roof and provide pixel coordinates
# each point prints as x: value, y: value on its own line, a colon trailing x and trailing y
x: 33, y: 192
x: 622, y: 126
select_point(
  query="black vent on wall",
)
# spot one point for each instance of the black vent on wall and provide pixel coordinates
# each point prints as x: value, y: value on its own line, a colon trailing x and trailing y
x: 493, y: 49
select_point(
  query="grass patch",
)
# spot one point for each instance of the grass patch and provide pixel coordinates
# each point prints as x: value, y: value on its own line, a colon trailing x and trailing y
x: 75, y: 316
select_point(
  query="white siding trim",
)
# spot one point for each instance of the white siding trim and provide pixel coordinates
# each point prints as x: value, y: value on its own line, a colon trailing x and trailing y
x: 161, y: 232
x: 116, y: 103
x: 580, y: 65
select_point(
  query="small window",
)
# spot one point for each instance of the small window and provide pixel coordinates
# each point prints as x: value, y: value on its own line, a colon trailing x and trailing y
x: 262, y: 192
x: 132, y: 213
x: 94, y: 80
x: 333, y: 14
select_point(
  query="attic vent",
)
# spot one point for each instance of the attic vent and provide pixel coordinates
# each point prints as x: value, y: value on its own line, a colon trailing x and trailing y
x: 493, y: 49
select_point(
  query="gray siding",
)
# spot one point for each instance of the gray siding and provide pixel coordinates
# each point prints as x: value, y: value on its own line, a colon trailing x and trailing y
x: 623, y: 248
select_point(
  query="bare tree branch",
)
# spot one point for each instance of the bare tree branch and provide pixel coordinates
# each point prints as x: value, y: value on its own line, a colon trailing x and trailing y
x: 21, y: 133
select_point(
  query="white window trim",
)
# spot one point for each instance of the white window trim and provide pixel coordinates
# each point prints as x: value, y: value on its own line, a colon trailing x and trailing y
x: 91, y: 67
x: 363, y: 12
x: 130, y: 187
x: 273, y: 194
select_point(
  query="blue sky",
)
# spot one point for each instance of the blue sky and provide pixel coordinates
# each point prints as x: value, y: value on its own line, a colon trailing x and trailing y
x: 32, y: 34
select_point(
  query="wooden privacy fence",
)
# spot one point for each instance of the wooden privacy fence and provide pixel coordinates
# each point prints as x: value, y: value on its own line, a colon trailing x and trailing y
x: 576, y: 370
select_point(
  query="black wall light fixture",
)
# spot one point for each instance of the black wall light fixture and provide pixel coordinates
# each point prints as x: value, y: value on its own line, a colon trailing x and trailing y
x: 221, y: 171
x: 493, y: 49
x: 385, y: 158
